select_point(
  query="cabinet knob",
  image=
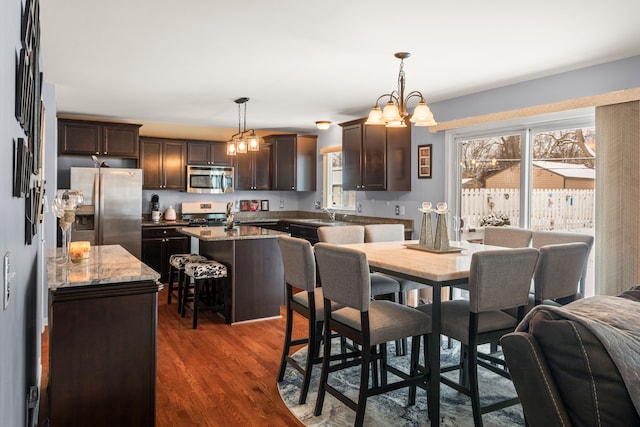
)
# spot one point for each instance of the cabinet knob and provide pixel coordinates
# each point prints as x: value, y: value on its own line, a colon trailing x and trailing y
x: 165, y: 231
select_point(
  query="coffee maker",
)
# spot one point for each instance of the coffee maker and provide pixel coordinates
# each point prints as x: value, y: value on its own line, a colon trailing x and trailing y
x: 155, y: 203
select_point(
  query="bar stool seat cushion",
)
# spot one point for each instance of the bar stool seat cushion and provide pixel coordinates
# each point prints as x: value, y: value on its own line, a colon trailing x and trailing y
x: 179, y: 260
x: 205, y: 269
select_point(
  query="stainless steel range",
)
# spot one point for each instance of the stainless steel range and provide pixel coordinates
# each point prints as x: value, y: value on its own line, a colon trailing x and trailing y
x: 204, y: 214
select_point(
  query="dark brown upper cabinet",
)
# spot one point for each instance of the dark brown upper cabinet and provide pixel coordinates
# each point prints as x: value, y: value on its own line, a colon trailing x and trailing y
x: 208, y: 153
x: 163, y: 162
x: 294, y: 162
x: 375, y: 158
x: 86, y: 138
x: 253, y: 169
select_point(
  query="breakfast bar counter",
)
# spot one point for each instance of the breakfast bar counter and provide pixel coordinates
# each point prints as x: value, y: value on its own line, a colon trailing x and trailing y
x: 102, y: 339
x: 254, y: 268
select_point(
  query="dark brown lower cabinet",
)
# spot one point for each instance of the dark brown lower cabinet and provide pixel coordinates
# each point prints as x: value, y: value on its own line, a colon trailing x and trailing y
x: 158, y: 244
x: 102, y: 355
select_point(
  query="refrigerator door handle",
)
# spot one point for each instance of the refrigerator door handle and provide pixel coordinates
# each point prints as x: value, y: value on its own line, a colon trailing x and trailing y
x: 100, y: 194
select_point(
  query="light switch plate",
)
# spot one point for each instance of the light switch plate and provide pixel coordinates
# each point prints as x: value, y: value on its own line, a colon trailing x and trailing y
x: 6, y: 278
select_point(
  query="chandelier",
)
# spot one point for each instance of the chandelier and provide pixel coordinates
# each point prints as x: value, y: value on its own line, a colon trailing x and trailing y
x: 395, y: 111
x: 245, y: 140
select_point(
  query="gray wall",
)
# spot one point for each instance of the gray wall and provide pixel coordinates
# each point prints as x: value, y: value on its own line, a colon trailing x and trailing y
x: 20, y: 323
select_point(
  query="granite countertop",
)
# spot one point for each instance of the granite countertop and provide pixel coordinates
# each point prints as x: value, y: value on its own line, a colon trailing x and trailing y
x: 107, y: 264
x: 241, y: 232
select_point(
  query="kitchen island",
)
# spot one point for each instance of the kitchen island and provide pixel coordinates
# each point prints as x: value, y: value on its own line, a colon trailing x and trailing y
x: 254, y: 268
x: 102, y: 339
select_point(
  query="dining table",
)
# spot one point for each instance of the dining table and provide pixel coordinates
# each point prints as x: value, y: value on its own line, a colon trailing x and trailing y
x: 437, y: 269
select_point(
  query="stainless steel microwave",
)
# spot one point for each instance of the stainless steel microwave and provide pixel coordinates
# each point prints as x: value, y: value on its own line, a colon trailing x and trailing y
x: 210, y: 179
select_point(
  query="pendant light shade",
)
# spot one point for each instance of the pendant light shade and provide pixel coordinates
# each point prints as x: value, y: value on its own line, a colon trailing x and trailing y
x: 422, y: 115
x: 375, y: 117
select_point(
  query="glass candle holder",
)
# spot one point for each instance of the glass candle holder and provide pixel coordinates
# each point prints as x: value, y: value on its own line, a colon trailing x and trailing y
x: 79, y: 251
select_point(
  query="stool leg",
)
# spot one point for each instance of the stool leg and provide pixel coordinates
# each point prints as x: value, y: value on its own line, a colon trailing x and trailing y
x: 170, y: 285
x: 196, y: 298
x: 181, y: 288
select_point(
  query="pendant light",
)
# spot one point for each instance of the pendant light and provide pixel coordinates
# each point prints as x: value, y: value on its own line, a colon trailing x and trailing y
x: 245, y: 140
x: 395, y: 111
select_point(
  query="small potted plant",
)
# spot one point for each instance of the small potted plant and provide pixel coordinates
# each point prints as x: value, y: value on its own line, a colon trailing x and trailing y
x: 495, y: 219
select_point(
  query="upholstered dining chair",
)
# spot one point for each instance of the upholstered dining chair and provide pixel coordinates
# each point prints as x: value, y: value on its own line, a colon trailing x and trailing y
x: 381, y: 284
x: 343, y: 235
x: 507, y: 237
x: 300, y: 272
x: 498, y: 280
x: 345, y: 279
x: 391, y: 233
x: 558, y: 273
x: 544, y: 238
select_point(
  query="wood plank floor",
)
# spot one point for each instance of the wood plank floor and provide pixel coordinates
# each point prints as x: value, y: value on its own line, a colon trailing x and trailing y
x: 217, y: 375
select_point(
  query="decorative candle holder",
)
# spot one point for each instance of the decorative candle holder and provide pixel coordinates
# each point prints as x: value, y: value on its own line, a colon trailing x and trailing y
x: 426, y: 231
x: 79, y: 251
x: 441, y: 241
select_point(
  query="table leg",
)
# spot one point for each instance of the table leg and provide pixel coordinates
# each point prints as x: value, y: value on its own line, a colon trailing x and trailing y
x: 434, y: 357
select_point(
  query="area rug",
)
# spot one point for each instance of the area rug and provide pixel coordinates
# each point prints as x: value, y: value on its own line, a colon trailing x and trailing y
x: 391, y: 409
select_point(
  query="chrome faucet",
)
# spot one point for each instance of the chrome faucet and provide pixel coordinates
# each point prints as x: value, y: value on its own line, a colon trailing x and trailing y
x: 331, y: 213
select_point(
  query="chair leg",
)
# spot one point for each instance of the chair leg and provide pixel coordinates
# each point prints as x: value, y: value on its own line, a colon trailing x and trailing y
x: 413, y: 367
x: 181, y: 286
x: 287, y: 342
x: 472, y: 364
x: 364, y: 386
x: 383, y: 364
x: 312, y: 349
x: 463, y: 373
x: 324, y: 375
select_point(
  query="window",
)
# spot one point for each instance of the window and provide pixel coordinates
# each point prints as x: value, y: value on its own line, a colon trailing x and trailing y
x: 538, y: 175
x: 334, y: 196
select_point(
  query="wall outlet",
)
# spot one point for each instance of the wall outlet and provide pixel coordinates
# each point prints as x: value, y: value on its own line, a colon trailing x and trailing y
x: 318, y: 204
x: 402, y: 210
x: 397, y: 209
x: 281, y: 203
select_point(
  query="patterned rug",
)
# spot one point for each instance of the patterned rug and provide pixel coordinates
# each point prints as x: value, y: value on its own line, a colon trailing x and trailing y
x: 391, y: 409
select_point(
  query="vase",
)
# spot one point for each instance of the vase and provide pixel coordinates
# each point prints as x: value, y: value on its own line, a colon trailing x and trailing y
x: 441, y: 242
x: 426, y: 232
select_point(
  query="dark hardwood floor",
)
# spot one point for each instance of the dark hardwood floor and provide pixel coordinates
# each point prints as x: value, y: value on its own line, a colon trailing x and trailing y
x: 217, y: 375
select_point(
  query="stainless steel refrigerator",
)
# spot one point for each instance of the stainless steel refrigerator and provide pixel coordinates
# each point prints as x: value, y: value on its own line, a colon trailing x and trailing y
x: 111, y: 212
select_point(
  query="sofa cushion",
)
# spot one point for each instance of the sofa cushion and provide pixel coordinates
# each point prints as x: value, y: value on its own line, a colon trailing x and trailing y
x: 586, y: 377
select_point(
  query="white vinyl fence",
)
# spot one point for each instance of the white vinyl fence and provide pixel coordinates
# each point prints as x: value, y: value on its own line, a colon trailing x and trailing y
x: 551, y: 209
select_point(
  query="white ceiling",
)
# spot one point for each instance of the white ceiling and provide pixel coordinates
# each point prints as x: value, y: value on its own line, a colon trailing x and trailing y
x: 298, y: 61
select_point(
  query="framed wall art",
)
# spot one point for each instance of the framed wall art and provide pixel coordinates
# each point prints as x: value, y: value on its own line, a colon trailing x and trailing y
x: 424, y: 161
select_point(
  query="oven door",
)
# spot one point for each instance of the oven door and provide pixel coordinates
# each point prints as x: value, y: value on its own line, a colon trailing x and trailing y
x: 210, y: 179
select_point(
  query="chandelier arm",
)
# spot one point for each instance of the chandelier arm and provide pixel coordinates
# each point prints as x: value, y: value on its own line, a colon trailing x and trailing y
x: 414, y: 94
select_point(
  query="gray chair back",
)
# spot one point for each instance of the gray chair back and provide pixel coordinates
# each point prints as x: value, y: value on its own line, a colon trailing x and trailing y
x: 544, y: 238
x: 500, y: 279
x: 559, y: 270
x: 345, y: 275
x: 507, y: 237
x: 299, y: 262
x: 383, y: 232
x: 341, y: 235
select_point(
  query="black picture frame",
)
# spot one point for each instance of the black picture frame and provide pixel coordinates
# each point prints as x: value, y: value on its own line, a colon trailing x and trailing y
x: 425, y: 161
x: 264, y: 205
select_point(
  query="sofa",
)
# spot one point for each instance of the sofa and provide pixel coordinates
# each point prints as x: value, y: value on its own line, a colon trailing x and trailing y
x: 579, y: 364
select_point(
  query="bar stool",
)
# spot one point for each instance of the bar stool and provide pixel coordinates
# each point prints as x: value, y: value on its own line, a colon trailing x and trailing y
x: 207, y: 275
x: 176, y: 265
